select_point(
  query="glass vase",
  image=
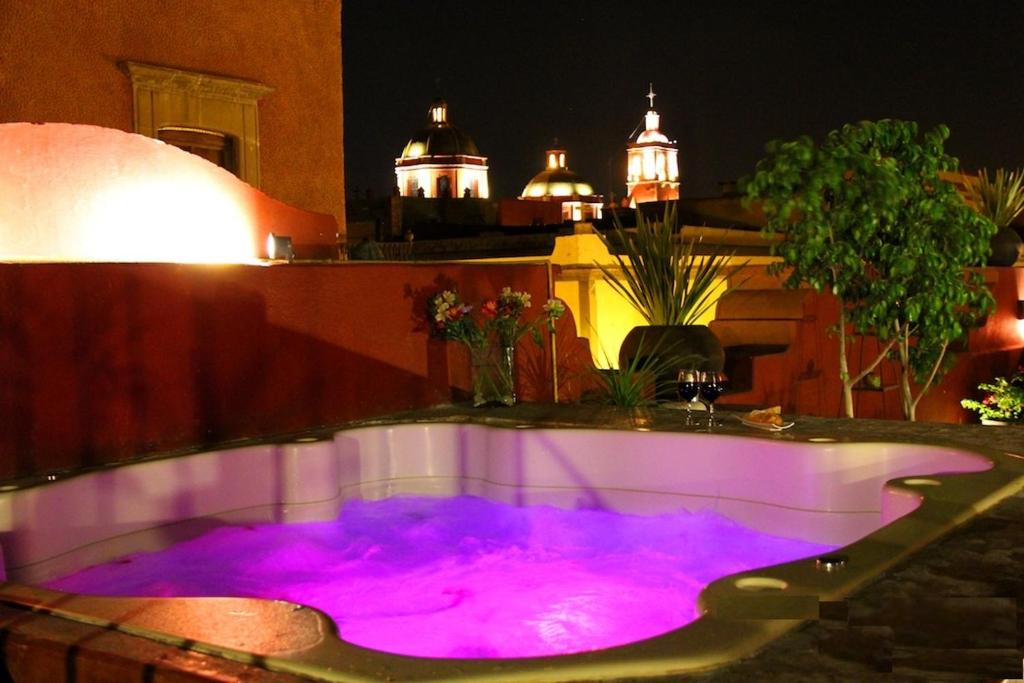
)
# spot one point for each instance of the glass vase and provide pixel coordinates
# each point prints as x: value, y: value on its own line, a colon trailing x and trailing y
x: 493, y: 379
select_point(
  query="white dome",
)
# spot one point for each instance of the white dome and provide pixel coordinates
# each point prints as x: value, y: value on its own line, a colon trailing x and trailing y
x: 651, y: 136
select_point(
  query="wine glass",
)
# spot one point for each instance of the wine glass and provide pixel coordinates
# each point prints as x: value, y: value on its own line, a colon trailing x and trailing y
x: 689, y: 386
x: 712, y: 384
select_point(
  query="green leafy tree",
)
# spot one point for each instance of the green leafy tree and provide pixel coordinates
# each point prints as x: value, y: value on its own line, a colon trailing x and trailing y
x: 865, y: 216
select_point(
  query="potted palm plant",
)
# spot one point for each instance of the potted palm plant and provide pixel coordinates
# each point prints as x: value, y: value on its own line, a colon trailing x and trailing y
x: 663, y: 277
x: 1001, y: 200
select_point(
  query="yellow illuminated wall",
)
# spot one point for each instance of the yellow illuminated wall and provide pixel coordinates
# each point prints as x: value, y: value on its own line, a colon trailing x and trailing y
x: 602, y: 314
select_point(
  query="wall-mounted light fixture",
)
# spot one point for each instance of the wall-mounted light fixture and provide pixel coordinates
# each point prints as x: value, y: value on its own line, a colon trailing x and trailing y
x: 279, y: 248
x: 1020, y: 310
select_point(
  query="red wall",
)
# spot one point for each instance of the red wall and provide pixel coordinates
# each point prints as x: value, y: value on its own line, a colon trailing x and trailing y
x: 60, y: 61
x: 514, y: 212
x: 104, y: 362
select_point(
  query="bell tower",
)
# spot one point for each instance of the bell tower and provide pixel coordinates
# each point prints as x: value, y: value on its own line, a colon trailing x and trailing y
x: 652, y: 161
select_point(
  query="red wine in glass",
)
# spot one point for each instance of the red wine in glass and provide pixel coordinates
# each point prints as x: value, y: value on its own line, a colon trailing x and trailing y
x: 689, y: 388
x: 712, y: 385
x: 689, y: 385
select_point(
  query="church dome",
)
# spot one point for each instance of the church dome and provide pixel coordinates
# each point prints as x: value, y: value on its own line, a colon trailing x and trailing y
x: 440, y: 141
x: 440, y: 138
x: 441, y: 161
x: 650, y: 135
x: 557, y: 180
x: 652, y: 132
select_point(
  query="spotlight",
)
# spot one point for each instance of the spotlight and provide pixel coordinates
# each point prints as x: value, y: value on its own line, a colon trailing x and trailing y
x: 279, y: 248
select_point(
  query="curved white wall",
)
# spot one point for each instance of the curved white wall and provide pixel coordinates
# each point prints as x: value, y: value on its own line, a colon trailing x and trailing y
x: 85, y: 193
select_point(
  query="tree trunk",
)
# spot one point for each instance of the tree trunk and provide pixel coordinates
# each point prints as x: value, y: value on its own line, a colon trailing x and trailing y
x: 909, y: 404
x: 908, y: 399
x: 906, y: 394
x: 844, y: 368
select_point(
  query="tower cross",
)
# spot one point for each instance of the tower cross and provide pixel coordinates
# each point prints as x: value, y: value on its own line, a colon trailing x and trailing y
x: 650, y: 94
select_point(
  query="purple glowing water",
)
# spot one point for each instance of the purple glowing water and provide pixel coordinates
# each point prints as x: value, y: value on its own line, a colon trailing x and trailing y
x: 463, y: 577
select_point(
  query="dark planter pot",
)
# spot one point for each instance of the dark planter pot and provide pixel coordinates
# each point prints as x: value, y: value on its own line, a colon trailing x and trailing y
x: 688, y: 346
x: 1006, y: 246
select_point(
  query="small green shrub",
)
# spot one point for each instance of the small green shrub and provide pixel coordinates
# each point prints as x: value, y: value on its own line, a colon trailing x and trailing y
x: 1003, y: 400
x: 633, y: 385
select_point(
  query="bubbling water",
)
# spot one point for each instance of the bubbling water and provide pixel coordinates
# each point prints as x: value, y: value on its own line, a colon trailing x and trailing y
x: 463, y: 577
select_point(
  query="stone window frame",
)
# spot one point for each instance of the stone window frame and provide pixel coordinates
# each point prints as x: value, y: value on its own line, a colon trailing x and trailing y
x: 166, y: 98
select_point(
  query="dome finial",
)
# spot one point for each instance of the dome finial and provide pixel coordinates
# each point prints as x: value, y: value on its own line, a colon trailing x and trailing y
x: 556, y: 156
x: 650, y: 93
x: 439, y: 112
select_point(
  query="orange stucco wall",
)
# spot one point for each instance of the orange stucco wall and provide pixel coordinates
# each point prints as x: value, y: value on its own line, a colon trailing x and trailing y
x: 60, y: 62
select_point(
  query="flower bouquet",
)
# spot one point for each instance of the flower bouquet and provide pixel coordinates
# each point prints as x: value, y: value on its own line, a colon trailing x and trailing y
x: 491, y: 336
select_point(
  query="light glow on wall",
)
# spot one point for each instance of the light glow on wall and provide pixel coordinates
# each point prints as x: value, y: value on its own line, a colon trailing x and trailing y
x: 603, y: 315
x: 460, y: 176
x: 158, y: 219
x: 648, y: 164
x: 560, y: 189
x: 85, y: 193
x: 634, y: 167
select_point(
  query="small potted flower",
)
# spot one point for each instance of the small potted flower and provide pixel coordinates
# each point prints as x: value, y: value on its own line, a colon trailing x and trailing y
x: 491, y: 338
x: 1003, y: 402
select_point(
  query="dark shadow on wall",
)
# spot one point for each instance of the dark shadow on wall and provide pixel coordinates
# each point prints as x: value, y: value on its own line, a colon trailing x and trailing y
x: 107, y: 362
x: 17, y: 410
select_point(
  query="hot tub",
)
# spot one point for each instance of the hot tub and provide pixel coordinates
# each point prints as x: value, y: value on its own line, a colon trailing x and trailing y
x: 866, y: 497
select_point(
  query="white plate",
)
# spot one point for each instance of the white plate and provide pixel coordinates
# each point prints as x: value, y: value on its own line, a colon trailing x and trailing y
x: 764, y: 426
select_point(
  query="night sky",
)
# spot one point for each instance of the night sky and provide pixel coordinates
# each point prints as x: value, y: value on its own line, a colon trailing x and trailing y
x: 729, y: 76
